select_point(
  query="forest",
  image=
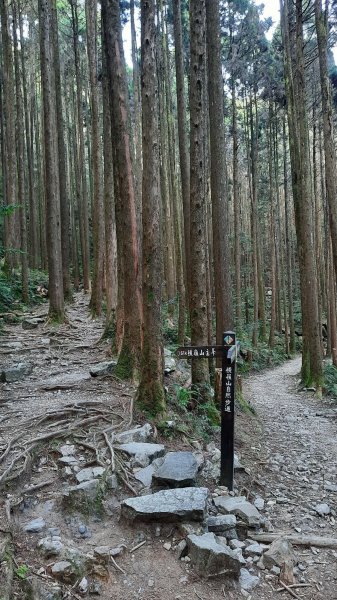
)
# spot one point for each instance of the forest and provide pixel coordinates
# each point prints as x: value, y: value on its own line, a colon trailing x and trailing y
x: 176, y: 161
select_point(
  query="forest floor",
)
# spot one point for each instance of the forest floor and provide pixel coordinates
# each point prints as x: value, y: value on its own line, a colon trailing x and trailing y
x: 288, y: 450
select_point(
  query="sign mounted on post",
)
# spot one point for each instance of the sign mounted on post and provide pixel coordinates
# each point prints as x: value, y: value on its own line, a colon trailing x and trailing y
x: 228, y: 353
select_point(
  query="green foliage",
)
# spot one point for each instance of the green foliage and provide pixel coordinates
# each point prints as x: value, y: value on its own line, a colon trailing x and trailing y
x: 330, y: 380
x: 10, y: 289
x: 22, y: 571
x: 184, y: 396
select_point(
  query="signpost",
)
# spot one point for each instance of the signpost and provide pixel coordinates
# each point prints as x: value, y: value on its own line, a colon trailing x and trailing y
x: 228, y: 353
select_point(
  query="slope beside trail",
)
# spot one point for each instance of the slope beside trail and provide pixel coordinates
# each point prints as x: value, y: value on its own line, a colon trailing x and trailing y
x: 288, y: 449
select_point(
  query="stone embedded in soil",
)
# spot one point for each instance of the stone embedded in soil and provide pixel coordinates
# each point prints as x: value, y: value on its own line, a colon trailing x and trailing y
x: 254, y: 550
x: 279, y: 553
x: 322, y: 509
x: 170, y: 365
x: 137, y: 434
x: 143, y: 453
x: 84, y: 495
x: 259, y: 503
x: 89, y: 473
x: 68, y: 460
x: 221, y: 523
x: 64, y: 571
x: 145, y: 475
x: 177, y: 469
x: 35, y: 526
x: 31, y: 323
x: 16, y: 373
x: 50, y: 547
x: 167, y: 505
x: 239, y: 506
x: 67, y: 450
x: 330, y: 487
x: 83, y: 586
x: 103, y: 368
x: 247, y: 581
x: 209, y: 557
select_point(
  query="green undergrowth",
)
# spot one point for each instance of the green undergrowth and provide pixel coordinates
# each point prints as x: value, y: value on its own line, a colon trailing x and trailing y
x: 330, y: 380
x: 10, y: 290
x: 188, y: 417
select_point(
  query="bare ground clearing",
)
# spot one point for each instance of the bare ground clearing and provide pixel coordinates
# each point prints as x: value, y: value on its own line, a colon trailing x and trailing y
x: 289, y: 450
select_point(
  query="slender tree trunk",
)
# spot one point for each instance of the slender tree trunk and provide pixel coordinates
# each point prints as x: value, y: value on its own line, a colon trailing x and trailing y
x: 151, y: 395
x: 52, y: 187
x: 20, y: 144
x: 299, y: 150
x: 198, y: 282
x: 222, y: 278
x: 182, y: 133
x: 97, y: 214
x: 10, y: 180
x: 127, y: 241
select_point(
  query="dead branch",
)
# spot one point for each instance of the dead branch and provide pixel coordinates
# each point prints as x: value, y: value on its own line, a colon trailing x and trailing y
x: 297, y: 540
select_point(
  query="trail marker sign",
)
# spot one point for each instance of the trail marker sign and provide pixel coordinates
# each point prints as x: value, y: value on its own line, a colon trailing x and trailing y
x: 228, y: 353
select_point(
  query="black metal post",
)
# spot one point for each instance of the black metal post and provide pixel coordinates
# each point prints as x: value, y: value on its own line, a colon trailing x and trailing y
x: 227, y: 409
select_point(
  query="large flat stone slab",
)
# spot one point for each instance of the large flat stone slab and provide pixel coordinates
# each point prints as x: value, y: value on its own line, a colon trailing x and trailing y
x: 142, y: 453
x: 177, y: 469
x: 210, y: 557
x: 221, y: 523
x: 238, y: 505
x: 103, y: 368
x: 182, y: 504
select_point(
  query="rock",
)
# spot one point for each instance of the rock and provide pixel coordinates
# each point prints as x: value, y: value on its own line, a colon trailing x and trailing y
x: 279, y: 552
x: 102, y: 553
x: 82, y: 529
x: 167, y: 545
x: 247, y: 581
x: 170, y: 364
x: 259, y: 503
x: 95, y: 588
x: 68, y: 460
x: 239, y: 506
x: 322, y: 509
x: 16, y: 373
x: 178, y: 469
x: 112, y: 482
x: 180, y: 549
x: 237, y: 465
x: 89, y: 473
x: 85, y: 496
x: 116, y: 551
x: 209, y: 557
x: 236, y: 544
x: 167, y: 505
x: 63, y: 571
x: 54, y: 531
x: 50, y: 546
x: 103, y: 368
x: 35, y: 526
x: 142, y: 452
x: 145, y: 475
x: 83, y: 586
x: 330, y: 487
x: 31, y: 323
x: 221, y: 523
x: 67, y: 450
x: 254, y: 550
x: 137, y: 434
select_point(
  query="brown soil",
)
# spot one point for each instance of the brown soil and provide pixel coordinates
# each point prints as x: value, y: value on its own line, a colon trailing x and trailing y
x: 289, y: 450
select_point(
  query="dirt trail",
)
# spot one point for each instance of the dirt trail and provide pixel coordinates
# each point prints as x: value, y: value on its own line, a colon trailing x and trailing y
x: 289, y: 449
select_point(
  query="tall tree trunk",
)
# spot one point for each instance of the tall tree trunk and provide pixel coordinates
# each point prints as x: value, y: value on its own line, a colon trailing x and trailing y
x: 62, y: 164
x: 236, y: 202
x: 198, y: 283
x: 321, y: 20
x: 97, y: 214
x: 52, y: 187
x: 151, y: 396
x: 300, y: 160
x: 221, y: 253
x: 182, y: 133
x: 20, y: 144
x: 127, y: 241
x: 10, y: 180
x: 82, y: 182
